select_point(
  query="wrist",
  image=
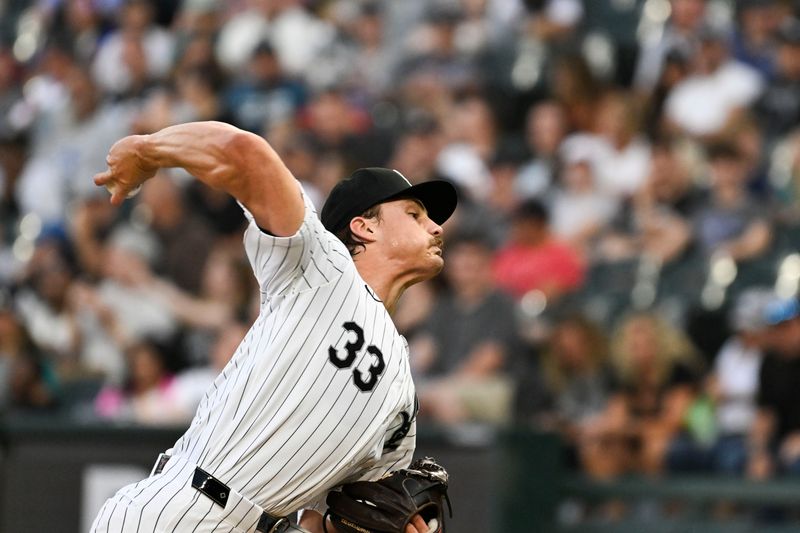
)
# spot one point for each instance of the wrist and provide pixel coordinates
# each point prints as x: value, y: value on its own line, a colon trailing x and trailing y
x: 144, y: 146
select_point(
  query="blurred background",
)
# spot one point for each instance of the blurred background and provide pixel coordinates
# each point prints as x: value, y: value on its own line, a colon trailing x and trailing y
x: 614, y: 344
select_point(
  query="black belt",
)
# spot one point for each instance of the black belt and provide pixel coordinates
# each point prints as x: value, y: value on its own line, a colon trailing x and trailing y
x: 218, y: 492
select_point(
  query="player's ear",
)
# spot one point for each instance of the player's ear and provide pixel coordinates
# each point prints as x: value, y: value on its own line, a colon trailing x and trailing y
x: 363, y: 228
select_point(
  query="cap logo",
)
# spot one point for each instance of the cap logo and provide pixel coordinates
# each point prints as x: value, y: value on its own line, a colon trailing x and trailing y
x: 404, y: 178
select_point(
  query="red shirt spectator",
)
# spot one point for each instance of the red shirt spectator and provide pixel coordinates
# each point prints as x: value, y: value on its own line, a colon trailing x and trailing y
x: 534, y: 260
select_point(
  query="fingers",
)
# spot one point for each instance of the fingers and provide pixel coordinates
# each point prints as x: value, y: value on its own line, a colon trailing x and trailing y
x: 417, y: 525
x: 102, y: 178
x: 117, y: 198
x: 106, y: 179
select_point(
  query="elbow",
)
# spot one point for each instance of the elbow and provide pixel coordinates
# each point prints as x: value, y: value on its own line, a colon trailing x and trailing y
x: 239, y: 152
x: 240, y: 146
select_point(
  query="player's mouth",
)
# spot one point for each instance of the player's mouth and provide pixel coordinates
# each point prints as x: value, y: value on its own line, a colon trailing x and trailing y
x: 437, y: 244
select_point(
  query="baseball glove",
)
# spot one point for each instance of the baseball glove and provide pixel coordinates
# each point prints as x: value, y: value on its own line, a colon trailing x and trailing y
x: 388, y: 504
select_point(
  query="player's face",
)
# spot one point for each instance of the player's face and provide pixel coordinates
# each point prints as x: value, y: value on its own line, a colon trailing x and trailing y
x: 410, y: 240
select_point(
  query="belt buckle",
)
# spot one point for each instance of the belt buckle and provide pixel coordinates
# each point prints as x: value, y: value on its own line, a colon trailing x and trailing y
x: 271, y: 524
x: 281, y: 523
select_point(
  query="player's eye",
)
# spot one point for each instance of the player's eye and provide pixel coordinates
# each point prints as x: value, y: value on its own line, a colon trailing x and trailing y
x: 414, y: 214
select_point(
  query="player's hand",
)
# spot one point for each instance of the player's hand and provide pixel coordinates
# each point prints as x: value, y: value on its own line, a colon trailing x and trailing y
x: 126, y: 170
x: 418, y: 525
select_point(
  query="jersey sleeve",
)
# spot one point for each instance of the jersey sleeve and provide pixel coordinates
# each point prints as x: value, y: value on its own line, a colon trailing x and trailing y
x: 310, y: 258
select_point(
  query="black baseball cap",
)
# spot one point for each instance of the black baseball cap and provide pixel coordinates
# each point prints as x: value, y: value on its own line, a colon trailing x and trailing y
x: 367, y: 187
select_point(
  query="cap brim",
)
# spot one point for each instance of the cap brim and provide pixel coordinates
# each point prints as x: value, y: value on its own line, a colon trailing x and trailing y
x: 438, y: 196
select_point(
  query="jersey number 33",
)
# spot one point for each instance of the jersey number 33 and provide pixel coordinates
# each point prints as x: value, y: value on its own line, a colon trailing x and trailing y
x: 365, y: 381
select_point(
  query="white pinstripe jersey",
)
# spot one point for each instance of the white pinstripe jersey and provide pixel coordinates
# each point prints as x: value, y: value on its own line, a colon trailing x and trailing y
x: 319, y: 388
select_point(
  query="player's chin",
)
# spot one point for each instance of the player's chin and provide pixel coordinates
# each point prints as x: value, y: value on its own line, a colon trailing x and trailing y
x: 434, y: 264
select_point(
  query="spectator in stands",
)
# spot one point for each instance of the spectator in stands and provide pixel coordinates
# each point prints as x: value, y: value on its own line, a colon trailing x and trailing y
x: 503, y: 199
x: 472, y: 140
x: 27, y: 380
x: 179, y: 231
x: 774, y: 436
x: 679, y: 33
x: 717, y: 424
x: 360, y: 57
x: 533, y: 259
x: 578, y: 383
x: 718, y: 89
x: 580, y: 209
x: 464, y: 358
x: 91, y: 223
x: 70, y: 139
x: 545, y: 129
x: 676, y: 68
x: 10, y: 96
x: 335, y: 124
x: 574, y: 86
x: 118, y: 311
x: 297, y: 35
x: 78, y: 28
x: 784, y: 174
x: 655, y: 221
x: 623, y: 158
x: 778, y: 109
x: 733, y: 383
x: 45, y: 306
x: 136, y: 55
x: 433, y: 50
x: 418, y: 147
x: 732, y: 222
x: 657, y: 371
x: 753, y: 41
x: 223, y: 297
x: 194, y: 97
x: 263, y: 94
x: 150, y: 395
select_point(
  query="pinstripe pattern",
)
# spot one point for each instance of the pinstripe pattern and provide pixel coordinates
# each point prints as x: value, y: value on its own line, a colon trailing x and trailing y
x: 282, y: 425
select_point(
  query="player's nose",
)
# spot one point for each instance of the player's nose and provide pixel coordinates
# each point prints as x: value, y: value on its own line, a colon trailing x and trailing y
x: 434, y: 228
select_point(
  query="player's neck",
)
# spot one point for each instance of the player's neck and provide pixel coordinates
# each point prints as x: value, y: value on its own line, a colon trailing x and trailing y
x: 387, y: 286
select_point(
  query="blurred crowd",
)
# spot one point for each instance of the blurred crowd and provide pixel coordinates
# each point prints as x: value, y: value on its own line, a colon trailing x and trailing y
x: 623, y: 267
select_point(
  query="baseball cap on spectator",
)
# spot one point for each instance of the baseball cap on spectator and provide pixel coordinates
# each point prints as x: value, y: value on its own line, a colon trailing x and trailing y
x: 781, y: 310
x: 749, y: 311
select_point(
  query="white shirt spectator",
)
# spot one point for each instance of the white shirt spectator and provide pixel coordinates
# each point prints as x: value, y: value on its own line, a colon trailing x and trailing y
x: 297, y: 35
x: 618, y: 172
x: 111, y: 71
x: 622, y: 172
x: 736, y: 370
x: 461, y: 162
x: 572, y: 213
x: 701, y: 105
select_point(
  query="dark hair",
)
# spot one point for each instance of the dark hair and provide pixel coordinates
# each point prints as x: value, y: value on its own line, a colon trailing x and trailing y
x: 532, y: 209
x: 352, y: 242
x: 474, y: 237
x: 723, y: 151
